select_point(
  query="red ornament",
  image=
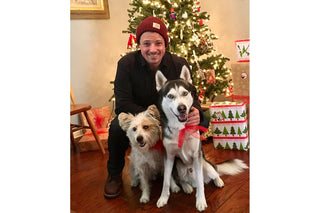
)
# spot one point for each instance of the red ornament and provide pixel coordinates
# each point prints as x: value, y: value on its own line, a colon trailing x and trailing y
x: 172, y: 14
x: 196, y: 7
x: 211, y: 76
x: 201, y: 21
x: 132, y: 39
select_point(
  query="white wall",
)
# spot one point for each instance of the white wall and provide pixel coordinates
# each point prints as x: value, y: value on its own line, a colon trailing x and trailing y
x: 96, y: 45
x: 229, y: 20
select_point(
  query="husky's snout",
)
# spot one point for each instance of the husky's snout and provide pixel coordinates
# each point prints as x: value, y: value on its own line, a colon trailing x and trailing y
x: 182, y: 109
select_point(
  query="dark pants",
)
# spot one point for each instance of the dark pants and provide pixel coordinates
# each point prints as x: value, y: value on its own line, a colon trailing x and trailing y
x: 118, y: 143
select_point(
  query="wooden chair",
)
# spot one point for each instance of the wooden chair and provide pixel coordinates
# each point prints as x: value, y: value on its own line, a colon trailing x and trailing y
x: 83, y: 108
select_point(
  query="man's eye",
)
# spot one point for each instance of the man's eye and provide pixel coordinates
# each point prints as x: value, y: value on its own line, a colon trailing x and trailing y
x: 170, y: 96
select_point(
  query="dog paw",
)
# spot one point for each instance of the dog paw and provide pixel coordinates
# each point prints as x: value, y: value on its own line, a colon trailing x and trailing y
x: 218, y: 182
x: 187, y: 188
x: 144, y: 199
x: 162, y: 202
x: 175, y: 189
x: 134, y: 182
x: 201, y: 205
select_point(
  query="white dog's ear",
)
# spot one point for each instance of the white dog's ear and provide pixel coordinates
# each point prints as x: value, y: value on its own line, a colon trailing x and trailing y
x: 154, y: 112
x: 185, y: 74
x: 160, y: 80
x: 125, y: 120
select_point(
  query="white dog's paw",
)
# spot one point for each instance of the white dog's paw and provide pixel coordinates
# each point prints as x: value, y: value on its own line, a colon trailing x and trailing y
x: 134, y: 182
x: 201, y: 205
x: 175, y: 188
x: 218, y: 182
x: 187, y: 188
x: 162, y: 201
x: 144, y: 199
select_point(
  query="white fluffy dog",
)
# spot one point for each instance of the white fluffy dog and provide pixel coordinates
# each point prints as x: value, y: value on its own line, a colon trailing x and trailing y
x: 143, y: 131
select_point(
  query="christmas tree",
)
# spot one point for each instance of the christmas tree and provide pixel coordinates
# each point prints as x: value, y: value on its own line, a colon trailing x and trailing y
x: 190, y: 38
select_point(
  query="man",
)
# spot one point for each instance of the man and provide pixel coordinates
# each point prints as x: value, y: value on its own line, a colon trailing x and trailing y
x: 135, y: 90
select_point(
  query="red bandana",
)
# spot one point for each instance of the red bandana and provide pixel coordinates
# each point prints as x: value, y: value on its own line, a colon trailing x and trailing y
x: 159, y: 145
x: 192, y: 130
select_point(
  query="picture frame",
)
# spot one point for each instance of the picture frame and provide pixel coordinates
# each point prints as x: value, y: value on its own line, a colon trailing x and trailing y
x: 84, y: 9
x: 243, y: 50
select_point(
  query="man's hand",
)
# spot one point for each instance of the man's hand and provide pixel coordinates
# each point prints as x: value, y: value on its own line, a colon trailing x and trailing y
x: 193, y: 117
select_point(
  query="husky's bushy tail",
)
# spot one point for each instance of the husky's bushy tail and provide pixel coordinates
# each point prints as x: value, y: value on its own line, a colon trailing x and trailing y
x: 231, y: 167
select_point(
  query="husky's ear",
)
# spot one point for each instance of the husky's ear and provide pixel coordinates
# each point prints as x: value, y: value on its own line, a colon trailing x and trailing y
x: 185, y: 74
x: 153, y: 112
x: 160, y: 80
x: 125, y: 120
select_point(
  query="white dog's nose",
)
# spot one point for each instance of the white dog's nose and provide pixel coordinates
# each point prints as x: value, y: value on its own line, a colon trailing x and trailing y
x: 139, y: 138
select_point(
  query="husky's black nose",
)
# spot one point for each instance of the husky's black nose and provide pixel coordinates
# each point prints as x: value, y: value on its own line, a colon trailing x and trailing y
x: 182, y: 108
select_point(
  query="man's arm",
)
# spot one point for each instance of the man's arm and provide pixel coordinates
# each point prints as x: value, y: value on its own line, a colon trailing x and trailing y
x: 123, y: 91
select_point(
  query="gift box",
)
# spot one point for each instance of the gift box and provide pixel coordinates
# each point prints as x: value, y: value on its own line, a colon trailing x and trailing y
x: 229, y: 125
x: 101, y: 118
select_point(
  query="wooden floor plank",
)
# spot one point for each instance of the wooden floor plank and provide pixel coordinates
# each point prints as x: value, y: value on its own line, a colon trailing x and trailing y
x: 88, y: 175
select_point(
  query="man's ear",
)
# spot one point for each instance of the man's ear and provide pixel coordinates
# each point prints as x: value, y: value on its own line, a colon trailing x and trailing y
x: 185, y: 74
x: 160, y: 80
x: 125, y: 120
x: 153, y: 112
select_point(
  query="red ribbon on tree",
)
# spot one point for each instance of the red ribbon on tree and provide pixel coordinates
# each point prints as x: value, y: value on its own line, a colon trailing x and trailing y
x: 192, y: 130
x: 201, y: 92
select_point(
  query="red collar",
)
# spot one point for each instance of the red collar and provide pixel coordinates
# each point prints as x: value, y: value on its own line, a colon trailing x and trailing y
x: 192, y: 130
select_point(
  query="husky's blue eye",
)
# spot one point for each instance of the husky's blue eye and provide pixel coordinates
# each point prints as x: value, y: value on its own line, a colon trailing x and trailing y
x: 185, y: 93
x: 170, y: 96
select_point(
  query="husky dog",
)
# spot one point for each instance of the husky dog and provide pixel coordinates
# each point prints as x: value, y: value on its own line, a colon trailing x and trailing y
x: 193, y: 169
x: 146, y: 155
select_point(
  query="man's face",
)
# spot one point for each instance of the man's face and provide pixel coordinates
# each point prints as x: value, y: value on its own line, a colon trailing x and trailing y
x: 152, y: 48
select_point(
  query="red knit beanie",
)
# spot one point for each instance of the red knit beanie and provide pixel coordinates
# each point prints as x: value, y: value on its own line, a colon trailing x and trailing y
x: 152, y: 24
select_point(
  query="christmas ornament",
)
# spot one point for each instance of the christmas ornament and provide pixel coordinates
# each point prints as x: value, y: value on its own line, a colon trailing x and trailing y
x: 201, y: 21
x: 244, y: 75
x: 203, y: 46
x: 195, y: 38
x: 201, y: 74
x: 172, y: 14
x: 185, y: 15
x: 131, y: 41
x: 211, y: 76
x: 196, y: 7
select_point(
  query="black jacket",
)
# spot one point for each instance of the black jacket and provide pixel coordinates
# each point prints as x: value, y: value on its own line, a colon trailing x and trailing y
x: 135, y: 86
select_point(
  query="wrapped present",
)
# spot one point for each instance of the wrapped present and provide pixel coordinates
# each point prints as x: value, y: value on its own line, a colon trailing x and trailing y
x: 229, y: 125
x: 101, y: 118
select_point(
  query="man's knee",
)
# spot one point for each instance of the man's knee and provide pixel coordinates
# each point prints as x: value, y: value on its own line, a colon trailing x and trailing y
x: 116, y: 134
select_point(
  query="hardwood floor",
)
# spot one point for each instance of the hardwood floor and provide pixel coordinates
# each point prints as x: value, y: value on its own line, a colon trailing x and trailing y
x: 89, y: 173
